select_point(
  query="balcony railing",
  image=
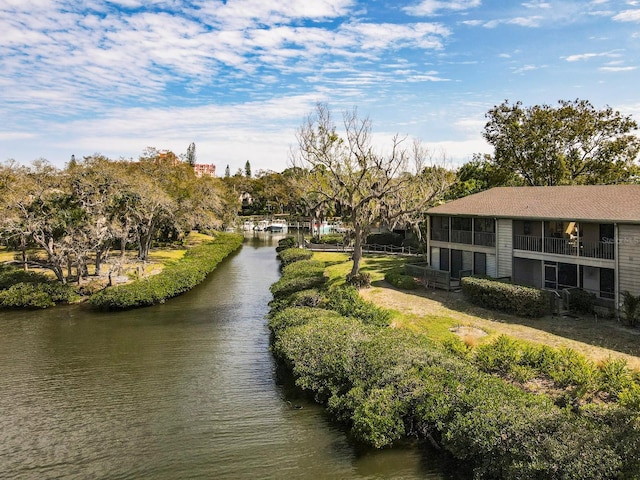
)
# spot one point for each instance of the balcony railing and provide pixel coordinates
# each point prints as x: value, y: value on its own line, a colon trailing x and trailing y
x: 562, y: 246
x: 461, y: 236
x: 485, y: 239
x: 527, y: 242
x: 604, y: 250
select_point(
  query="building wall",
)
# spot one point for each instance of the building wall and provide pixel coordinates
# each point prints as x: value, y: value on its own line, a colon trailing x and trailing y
x: 492, y: 267
x: 629, y: 258
x: 504, y: 243
x: 205, y: 169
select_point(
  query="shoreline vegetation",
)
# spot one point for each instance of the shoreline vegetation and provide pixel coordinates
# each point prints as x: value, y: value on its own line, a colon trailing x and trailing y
x: 174, y: 279
x: 170, y: 272
x: 507, y: 407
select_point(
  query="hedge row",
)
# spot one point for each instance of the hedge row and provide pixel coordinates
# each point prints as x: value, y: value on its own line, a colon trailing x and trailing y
x: 174, y: 279
x: 506, y: 297
x: 387, y: 384
x: 291, y: 255
x: 35, y: 295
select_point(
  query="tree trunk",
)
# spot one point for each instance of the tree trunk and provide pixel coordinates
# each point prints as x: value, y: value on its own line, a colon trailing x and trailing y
x: 59, y: 272
x: 23, y: 251
x: 98, y: 261
x: 357, y: 249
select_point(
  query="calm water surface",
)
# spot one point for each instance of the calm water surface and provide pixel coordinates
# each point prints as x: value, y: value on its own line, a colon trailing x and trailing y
x: 183, y: 390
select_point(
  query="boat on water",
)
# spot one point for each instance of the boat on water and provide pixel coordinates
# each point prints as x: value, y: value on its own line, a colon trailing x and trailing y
x: 261, y: 226
x: 278, y: 226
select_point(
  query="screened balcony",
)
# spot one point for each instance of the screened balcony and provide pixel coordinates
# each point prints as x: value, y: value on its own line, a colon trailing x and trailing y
x: 464, y: 230
x: 590, y: 240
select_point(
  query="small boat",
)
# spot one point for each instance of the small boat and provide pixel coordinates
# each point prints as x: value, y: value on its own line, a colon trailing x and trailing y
x: 278, y: 226
x: 261, y: 226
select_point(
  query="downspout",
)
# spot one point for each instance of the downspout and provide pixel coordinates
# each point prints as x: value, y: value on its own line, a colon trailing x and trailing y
x: 428, y: 252
x: 497, y: 249
x: 616, y: 253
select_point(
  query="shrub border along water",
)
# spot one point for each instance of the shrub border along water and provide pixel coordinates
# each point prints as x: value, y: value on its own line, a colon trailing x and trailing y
x: 30, y: 290
x: 174, y: 279
x: 387, y: 384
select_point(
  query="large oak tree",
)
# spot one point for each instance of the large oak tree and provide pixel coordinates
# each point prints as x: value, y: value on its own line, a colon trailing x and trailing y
x: 572, y: 143
x: 344, y: 170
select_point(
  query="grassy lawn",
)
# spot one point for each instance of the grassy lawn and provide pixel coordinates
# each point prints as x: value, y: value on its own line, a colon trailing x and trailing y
x: 157, y: 260
x: 5, y: 255
x: 439, y: 314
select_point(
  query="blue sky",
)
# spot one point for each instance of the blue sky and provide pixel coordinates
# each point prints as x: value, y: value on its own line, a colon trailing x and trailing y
x: 238, y: 77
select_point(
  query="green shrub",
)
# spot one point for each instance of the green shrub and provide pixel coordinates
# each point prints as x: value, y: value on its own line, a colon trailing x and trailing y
x: 630, y: 307
x: 329, y: 239
x: 35, y: 295
x: 540, y: 357
x: 304, y: 298
x: 457, y: 347
x: 297, y: 316
x: 10, y: 275
x: 321, y: 354
x: 516, y: 299
x: 630, y: 397
x: 175, y: 279
x: 359, y: 280
x: 400, y: 280
x: 387, y: 238
x: 291, y: 255
x: 288, y: 285
x: 581, y: 301
x: 614, y: 376
x: 499, y: 356
x: 285, y: 243
x: 25, y: 295
x: 575, y: 371
x: 348, y: 302
x: 304, y: 268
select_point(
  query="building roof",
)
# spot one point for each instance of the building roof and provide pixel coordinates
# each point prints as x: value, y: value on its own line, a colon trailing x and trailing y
x: 595, y: 203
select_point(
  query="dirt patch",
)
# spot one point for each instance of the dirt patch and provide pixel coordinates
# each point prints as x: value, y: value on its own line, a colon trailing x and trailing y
x: 465, y: 332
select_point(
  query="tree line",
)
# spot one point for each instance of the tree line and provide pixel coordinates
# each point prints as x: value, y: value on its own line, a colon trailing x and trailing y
x: 76, y: 215
x: 95, y: 205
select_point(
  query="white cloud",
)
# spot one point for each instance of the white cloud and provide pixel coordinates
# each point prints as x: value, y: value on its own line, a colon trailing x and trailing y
x: 628, y: 16
x: 617, y: 69
x: 537, y: 5
x: 432, y: 7
x: 588, y: 56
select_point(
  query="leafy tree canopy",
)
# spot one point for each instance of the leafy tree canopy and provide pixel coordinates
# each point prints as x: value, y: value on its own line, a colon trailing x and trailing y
x: 572, y: 143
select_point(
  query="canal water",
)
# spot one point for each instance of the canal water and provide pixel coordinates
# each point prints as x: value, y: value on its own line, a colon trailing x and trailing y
x: 187, y: 389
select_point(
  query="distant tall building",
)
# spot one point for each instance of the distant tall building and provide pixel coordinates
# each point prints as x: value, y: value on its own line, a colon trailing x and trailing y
x: 166, y: 156
x: 205, y: 169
